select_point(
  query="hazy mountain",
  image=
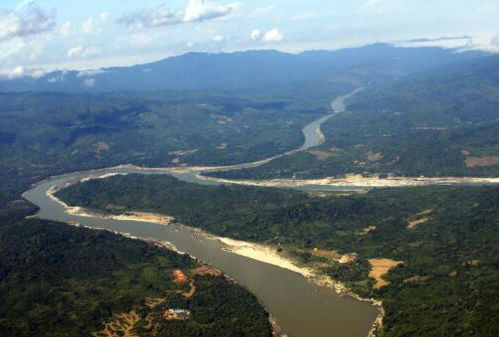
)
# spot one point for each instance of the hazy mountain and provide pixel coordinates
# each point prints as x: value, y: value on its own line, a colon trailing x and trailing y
x: 249, y: 69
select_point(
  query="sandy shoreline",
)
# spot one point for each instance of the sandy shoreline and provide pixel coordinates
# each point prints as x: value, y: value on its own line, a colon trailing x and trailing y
x: 268, y: 254
x: 262, y: 253
x: 357, y: 181
x: 255, y: 251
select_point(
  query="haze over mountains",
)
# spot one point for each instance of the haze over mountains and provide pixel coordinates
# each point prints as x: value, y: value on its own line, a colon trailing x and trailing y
x: 249, y: 70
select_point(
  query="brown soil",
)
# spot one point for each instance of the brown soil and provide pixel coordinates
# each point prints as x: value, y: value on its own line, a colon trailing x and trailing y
x: 206, y: 270
x: 414, y: 223
x: 321, y: 155
x: 419, y: 219
x: 180, y: 277
x: 121, y: 326
x: 368, y: 230
x: 481, y: 161
x: 117, y: 207
x: 380, y: 267
x: 101, y: 147
x: 374, y: 156
x: 332, y: 254
x: 416, y: 279
x: 192, y: 290
x: 473, y: 263
x: 152, y: 303
x: 324, y: 154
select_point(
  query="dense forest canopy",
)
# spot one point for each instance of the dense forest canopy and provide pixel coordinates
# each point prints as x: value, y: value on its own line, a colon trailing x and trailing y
x: 446, y: 237
x: 440, y: 122
x: 423, y: 111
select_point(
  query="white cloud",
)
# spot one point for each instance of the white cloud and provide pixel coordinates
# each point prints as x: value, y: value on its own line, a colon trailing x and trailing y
x: 88, y: 25
x: 20, y: 71
x: 483, y: 41
x: 37, y: 73
x: 17, y: 72
x: 256, y: 34
x: 273, y: 35
x: 218, y: 38
x: 103, y: 16
x: 195, y: 11
x: 89, y: 82
x: 82, y: 52
x: 65, y: 29
x: 27, y: 22
x: 90, y: 72
x: 200, y: 10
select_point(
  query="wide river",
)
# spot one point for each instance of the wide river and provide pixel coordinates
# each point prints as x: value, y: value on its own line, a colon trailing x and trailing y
x: 301, y: 307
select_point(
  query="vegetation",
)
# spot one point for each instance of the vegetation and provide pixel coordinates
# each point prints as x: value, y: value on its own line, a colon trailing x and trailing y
x: 446, y: 285
x: 57, y: 280
x: 46, y: 134
x: 441, y: 122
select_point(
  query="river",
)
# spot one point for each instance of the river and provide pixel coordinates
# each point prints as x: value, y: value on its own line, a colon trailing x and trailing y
x: 301, y: 307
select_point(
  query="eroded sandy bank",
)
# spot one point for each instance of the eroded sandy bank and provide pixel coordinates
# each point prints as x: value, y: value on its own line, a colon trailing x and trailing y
x: 255, y: 251
x: 358, y: 181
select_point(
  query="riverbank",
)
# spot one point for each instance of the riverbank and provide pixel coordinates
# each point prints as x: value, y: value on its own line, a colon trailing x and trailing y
x: 145, y: 217
x: 357, y: 180
x: 254, y: 251
x: 269, y: 254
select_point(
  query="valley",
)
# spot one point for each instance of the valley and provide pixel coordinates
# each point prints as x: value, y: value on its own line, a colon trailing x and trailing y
x: 363, y: 179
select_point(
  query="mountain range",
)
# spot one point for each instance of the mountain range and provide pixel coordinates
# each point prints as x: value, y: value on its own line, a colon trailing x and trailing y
x: 248, y: 70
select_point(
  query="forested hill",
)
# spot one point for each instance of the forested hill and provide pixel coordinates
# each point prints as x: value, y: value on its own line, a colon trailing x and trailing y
x: 249, y: 70
x: 58, y: 280
x: 443, y: 242
x: 439, y: 122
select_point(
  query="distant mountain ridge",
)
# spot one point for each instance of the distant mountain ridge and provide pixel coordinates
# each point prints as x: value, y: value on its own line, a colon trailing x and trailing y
x: 248, y: 70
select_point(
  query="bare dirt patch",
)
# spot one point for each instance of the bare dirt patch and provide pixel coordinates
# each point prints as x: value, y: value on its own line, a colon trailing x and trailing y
x: 101, y: 147
x: 473, y: 263
x: 121, y: 325
x: 206, y: 270
x: 419, y: 218
x: 414, y: 223
x: 368, y: 230
x: 373, y: 156
x: 180, y: 277
x: 192, y: 290
x: 481, y: 161
x: 416, y: 279
x: 321, y: 155
x: 380, y: 267
x: 324, y: 154
x: 181, y: 153
x: 153, y: 302
x: 332, y: 254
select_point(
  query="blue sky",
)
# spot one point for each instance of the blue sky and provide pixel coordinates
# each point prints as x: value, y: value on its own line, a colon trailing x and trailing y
x: 42, y: 35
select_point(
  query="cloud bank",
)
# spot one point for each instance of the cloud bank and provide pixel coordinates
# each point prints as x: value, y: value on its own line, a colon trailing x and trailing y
x: 24, y: 23
x: 195, y: 11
